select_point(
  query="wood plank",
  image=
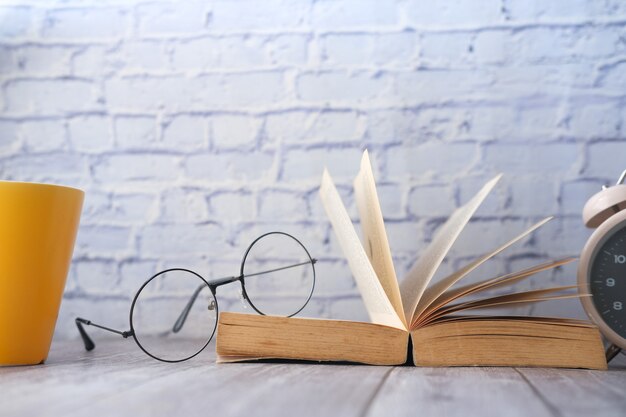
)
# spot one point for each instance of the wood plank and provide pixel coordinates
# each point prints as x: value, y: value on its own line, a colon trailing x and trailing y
x: 73, y: 378
x: 581, y: 392
x: 119, y: 379
x: 457, y: 392
x: 245, y: 389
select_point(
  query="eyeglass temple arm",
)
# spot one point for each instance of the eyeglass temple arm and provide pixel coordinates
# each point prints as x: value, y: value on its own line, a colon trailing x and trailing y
x: 180, y: 321
x: 217, y: 282
x: 89, y: 344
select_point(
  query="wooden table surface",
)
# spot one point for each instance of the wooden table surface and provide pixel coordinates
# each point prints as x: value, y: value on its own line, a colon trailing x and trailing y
x: 117, y: 379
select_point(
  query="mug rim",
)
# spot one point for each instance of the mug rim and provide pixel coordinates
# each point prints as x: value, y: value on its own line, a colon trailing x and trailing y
x: 41, y: 184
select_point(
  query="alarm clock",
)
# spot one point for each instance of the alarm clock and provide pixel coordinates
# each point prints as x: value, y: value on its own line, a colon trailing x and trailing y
x: 602, y: 267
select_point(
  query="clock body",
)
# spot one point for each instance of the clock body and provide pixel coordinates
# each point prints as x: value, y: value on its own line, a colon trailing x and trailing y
x: 602, y: 273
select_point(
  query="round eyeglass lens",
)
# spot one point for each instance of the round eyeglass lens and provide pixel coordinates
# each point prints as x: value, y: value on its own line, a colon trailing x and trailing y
x: 174, y: 315
x: 278, y: 275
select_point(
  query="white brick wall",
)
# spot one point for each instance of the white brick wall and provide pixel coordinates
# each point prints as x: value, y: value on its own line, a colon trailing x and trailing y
x: 196, y: 125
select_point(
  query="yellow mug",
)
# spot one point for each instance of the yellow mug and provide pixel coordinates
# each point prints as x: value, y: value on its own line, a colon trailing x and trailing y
x: 38, y: 225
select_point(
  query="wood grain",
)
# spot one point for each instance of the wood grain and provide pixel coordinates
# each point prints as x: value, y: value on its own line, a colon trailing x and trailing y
x: 118, y: 379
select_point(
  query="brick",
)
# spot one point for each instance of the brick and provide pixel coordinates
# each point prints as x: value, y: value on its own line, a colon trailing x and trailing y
x: 353, y: 13
x: 428, y: 159
x: 525, y: 79
x: 351, y: 308
x: 405, y: 237
x: 86, y: 23
x: 44, y: 60
x: 428, y: 86
x: 561, y: 158
x: 447, y: 50
x: 492, y: 232
x: 136, y: 167
x: 171, y: 240
x: 595, y: 120
x: 90, y: 134
x: 252, y: 15
x: 97, y: 276
x: 565, y: 237
x: 543, y: 44
x: 498, y: 200
x: 276, y: 204
x: 341, y: 86
x: 44, y: 135
x: 9, y: 137
x: 187, y: 133
x: 490, y: 123
x: 493, y: 47
x: 574, y: 195
x: 308, y: 164
x: 537, y: 122
x: 141, y: 56
x: 392, y: 126
x: 431, y: 201
x: 243, y: 52
x: 182, y: 205
x: 133, y: 273
x: 605, y: 160
x: 232, y: 206
x: 561, y: 9
x: 251, y: 89
x: 219, y: 91
x: 392, y: 201
x: 314, y: 127
x: 150, y: 93
x: 196, y: 54
x: 598, y: 42
x: 288, y: 50
x: 612, y: 76
x: 102, y: 241
x: 8, y: 60
x: 129, y: 209
x: 163, y: 18
x: 253, y: 166
x: 16, y: 22
x: 424, y: 13
x: 234, y: 131
x: 95, y: 203
x: 49, y: 167
x: 51, y: 96
x: 365, y: 50
x: 442, y: 123
x: 137, y: 132
x: 92, y: 61
x: 534, y: 195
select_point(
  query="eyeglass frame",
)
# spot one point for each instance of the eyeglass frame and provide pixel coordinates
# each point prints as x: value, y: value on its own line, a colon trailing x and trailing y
x: 212, y: 285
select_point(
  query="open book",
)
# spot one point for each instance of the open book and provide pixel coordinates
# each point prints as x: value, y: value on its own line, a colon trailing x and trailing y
x: 436, y: 318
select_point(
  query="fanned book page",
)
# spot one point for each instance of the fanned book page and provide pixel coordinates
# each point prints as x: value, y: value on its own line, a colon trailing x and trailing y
x: 378, y: 306
x: 434, y: 291
x: 374, y: 235
x: 419, y: 276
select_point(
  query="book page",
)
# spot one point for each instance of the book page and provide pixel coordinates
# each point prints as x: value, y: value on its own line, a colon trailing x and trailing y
x: 526, y: 297
x: 508, y: 279
x: 376, y: 302
x: 422, y: 272
x: 374, y: 235
x: 431, y: 293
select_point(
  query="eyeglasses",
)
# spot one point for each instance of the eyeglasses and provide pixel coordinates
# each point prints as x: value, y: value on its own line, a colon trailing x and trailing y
x: 174, y: 314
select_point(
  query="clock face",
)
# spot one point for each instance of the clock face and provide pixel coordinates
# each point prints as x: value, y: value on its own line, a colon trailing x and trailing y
x: 607, y: 280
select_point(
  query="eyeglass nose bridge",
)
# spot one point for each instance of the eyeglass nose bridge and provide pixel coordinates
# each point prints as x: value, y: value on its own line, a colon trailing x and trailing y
x: 223, y: 281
